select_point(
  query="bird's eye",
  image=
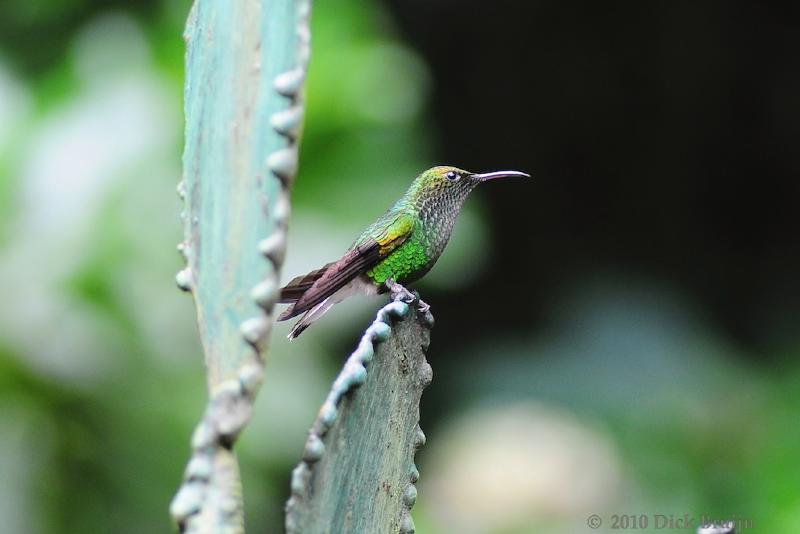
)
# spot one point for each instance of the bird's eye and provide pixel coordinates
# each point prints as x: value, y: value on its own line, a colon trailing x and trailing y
x: 452, y: 176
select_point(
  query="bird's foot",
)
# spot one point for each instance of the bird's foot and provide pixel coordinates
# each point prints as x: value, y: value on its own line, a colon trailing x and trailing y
x: 399, y: 292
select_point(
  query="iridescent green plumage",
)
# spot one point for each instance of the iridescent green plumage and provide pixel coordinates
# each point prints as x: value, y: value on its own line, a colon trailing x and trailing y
x: 400, y: 247
x: 409, y: 259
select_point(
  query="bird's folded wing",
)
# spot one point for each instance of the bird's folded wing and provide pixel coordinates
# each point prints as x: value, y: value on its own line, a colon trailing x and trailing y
x: 365, y: 254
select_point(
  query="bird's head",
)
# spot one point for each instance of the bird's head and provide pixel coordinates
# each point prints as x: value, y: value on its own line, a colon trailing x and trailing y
x: 455, y: 182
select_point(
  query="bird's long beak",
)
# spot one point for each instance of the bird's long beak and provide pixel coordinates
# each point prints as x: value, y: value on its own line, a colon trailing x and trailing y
x: 500, y: 174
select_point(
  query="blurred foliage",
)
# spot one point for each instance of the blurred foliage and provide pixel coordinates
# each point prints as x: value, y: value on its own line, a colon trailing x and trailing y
x: 627, y: 398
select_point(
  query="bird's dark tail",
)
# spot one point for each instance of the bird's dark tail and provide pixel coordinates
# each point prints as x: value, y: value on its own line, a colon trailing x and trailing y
x: 309, y: 317
x: 296, y: 288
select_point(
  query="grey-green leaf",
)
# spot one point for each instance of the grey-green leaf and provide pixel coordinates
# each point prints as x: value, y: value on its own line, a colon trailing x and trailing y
x: 358, y: 474
x: 245, y: 68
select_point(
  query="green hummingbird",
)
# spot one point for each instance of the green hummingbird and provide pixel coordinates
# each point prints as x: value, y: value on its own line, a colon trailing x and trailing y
x: 400, y: 247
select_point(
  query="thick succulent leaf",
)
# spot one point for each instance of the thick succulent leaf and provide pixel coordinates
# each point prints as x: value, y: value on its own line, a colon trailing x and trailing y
x: 245, y: 67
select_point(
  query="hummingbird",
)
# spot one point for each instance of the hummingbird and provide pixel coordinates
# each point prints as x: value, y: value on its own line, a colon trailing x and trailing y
x: 398, y: 248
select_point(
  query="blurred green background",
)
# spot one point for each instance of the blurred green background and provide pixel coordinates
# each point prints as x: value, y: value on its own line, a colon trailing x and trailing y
x: 618, y: 336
